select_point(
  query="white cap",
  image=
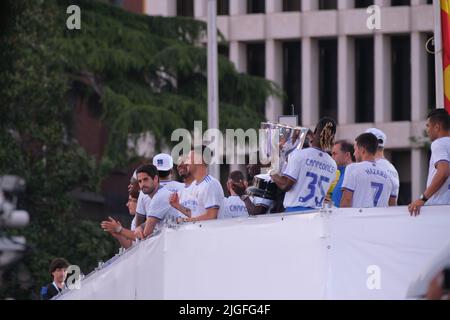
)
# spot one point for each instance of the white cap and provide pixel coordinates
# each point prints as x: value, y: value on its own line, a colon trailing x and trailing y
x: 133, y: 177
x: 381, y: 136
x: 163, y: 162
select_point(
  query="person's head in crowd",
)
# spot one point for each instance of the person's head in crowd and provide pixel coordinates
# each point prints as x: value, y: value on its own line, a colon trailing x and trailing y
x: 148, y: 179
x: 380, y: 135
x: 133, y: 185
x: 58, y: 269
x: 235, y: 177
x: 342, y: 153
x: 183, y: 169
x: 438, y: 124
x: 199, y: 158
x: 164, y: 163
x: 133, y: 196
x: 324, y: 134
x: 366, y: 146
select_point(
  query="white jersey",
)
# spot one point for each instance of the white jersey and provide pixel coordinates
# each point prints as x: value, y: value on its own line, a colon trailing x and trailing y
x: 313, y: 171
x: 233, y: 207
x: 143, y: 203
x: 186, y: 198
x: 133, y: 224
x: 440, y: 151
x: 207, y: 194
x: 172, y: 186
x: 393, y: 175
x: 370, y: 183
x: 160, y: 207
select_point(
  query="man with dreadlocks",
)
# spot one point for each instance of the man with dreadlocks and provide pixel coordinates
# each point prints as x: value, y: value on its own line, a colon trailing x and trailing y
x: 309, y: 172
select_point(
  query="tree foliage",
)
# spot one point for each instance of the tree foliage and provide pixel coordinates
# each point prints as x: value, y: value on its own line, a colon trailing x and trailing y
x: 149, y: 74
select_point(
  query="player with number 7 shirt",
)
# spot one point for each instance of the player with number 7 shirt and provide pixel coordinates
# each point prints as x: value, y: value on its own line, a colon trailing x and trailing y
x: 367, y: 183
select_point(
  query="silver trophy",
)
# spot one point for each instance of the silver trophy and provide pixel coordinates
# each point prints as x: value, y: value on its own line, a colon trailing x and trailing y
x: 278, y: 142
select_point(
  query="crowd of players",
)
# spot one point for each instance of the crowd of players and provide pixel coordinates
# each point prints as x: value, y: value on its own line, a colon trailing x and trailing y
x: 324, y: 172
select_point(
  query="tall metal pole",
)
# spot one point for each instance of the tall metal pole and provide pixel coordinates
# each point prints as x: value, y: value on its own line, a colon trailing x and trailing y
x: 213, y: 81
x: 438, y: 55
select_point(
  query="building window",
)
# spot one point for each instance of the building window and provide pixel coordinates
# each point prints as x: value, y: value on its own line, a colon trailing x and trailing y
x: 363, y: 3
x: 395, y: 3
x: 401, y: 78
x: 328, y: 78
x: 223, y: 7
x: 364, y: 80
x: 224, y: 50
x: 256, y: 6
x: 292, y: 5
x: 185, y: 8
x: 256, y: 59
x: 402, y: 162
x: 327, y: 4
x: 292, y: 77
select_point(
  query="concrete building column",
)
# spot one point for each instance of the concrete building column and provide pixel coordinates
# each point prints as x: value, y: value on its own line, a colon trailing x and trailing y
x: 200, y: 8
x: 165, y: 8
x: 346, y: 80
x: 310, y: 82
x: 346, y: 4
x: 238, y: 55
x: 419, y: 77
x: 274, y: 72
x: 238, y: 7
x: 383, y: 66
x: 419, y: 105
x: 273, y: 6
x: 310, y: 5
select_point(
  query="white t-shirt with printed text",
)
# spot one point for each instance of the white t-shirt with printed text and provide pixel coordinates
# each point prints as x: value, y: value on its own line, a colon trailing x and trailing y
x: 233, y: 207
x: 370, y: 184
x: 313, y: 171
x: 206, y: 194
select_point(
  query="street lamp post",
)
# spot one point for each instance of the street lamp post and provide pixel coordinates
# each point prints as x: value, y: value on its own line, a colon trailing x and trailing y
x: 213, y: 82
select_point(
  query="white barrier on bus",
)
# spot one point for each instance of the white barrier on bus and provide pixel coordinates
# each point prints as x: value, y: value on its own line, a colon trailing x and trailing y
x: 334, y: 254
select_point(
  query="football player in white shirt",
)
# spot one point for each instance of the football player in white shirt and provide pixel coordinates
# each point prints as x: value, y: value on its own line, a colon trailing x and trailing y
x: 233, y: 206
x: 309, y: 172
x: 438, y: 183
x: 207, y: 191
x: 184, y: 200
x: 255, y: 205
x: 367, y: 183
x: 164, y: 163
x: 379, y: 157
x: 160, y: 208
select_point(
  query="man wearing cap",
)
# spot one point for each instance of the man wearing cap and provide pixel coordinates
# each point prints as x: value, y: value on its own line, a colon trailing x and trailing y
x: 164, y: 163
x: 382, y: 161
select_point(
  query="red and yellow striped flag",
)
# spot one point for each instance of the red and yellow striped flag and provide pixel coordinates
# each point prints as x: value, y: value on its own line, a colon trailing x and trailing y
x: 445, y: 23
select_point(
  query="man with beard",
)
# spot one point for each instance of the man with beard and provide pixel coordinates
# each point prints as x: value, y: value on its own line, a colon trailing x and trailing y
x: 159, y: 209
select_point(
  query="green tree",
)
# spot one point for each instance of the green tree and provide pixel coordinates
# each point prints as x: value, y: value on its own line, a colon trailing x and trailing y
x: 149, y: 74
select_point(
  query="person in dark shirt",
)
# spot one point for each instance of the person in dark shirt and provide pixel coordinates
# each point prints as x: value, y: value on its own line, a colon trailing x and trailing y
x: 58, y: 270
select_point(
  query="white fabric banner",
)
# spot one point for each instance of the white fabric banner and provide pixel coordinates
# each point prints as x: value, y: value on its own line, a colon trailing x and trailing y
x: 335, y: 254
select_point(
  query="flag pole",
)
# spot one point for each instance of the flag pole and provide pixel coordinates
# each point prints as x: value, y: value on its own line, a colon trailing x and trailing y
x: 439, y: 68
x: 213, y: 82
